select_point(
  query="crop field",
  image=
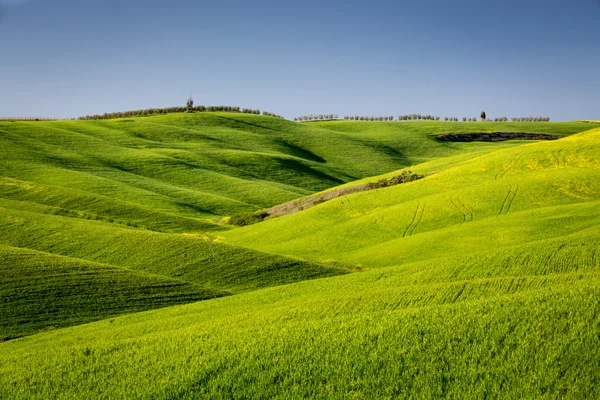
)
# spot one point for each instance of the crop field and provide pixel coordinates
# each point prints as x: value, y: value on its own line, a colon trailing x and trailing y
x: 120, y: 278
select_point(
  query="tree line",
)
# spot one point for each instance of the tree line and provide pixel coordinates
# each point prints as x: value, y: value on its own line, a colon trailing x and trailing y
x: 27, y: 119
x: 358, y: 118
x: 317, y: 117
x: 419, y: 117
x: 530, y: 119
x: 169, y: 110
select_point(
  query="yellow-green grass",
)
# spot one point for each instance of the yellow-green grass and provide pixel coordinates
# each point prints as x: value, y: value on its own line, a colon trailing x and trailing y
x: 478, y: 281
x: 41, y: 291
x: 182, y: 172
x: 57, y: 271
x: 364, y: 335
x: 81, y: 192
x: 502, y: 199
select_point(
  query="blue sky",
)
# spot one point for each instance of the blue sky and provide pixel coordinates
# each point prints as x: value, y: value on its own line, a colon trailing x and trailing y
x: 67, y: 58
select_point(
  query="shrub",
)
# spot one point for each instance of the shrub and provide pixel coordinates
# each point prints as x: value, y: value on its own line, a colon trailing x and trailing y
x: 405, y: 176
x: 244, y: 219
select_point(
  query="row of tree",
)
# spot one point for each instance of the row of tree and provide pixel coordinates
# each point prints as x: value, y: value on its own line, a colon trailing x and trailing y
x: 317, y: 117
x: 270, y: 114
x: 530, y: 119
x: 513, y: 119
x: 169, y: 110
x: 417, y: 117
x: 358, y: 118
x: 27, y: 119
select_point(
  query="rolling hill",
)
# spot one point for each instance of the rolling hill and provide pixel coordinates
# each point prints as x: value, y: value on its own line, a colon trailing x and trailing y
x: 510, y: 197
x: 479, y: 280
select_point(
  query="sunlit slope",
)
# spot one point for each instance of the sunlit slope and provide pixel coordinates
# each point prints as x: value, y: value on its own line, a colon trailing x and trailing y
x: 364, y: 335
x: 180, y: 172
x: 59, y: 271
x: 506, y: 198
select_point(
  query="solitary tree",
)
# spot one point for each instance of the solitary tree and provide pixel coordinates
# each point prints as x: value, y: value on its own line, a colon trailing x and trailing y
x: 483, y: 116
x: 190, y: 104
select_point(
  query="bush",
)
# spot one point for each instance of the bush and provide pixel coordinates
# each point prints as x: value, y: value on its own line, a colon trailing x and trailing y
x: 405, y: 176
x: 244, y: 219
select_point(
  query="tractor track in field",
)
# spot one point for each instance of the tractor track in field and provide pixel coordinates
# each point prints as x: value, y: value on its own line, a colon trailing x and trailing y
x: 593, y: 258
x: 460, y: 210
x: 547, y: 263
x: 466, y: 210
x: 412, y: 221
x: 512, y: 199
x: 504, y: 170
x: 416, y: 219
x: 561, y: 158
x: 556, y: 158
x: 508, y: 200
x: 460, y: 292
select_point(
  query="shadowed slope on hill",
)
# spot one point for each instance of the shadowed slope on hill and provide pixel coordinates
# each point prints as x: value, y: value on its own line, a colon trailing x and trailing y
x: 57, y: 271
x: 41, y: 291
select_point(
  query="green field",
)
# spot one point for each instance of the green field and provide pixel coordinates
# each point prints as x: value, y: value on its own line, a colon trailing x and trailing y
x: 118, y: 278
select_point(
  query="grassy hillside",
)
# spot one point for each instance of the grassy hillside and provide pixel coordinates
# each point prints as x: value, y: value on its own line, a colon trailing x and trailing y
x: 180, y: 172
x: 479, y: 280
x: 509, y: 197
x: 71, y: 266
x: 364, y: 335
x: 79, y: 199
x: 41, y: 291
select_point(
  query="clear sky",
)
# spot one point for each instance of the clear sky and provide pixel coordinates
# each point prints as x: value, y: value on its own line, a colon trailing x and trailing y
x: 67, y: 58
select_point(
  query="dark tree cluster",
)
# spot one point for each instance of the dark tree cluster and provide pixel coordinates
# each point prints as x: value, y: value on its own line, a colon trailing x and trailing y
x: 248, y: 218
x: 359, y: 118
x: 417, y: 117
x: 270, y: 114
x: 189, y: 107
x: 405, y: 176
x: 451, y: 119
x: 2, y: 119
x: 246, y: 111
x: 317, y: 117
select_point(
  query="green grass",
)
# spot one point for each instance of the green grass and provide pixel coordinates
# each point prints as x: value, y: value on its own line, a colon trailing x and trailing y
x: 479, y: 281
x: 42, y: 291
x: 181, y: 172
x: 513, y: 196
x: 84, y: 262
x: 361, y: 336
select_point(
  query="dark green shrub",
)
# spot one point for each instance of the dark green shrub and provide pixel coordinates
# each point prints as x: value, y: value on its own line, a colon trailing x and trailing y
x: 244, y: 219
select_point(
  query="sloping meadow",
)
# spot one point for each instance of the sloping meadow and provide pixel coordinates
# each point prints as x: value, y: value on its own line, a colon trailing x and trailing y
x: 479, y: 280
